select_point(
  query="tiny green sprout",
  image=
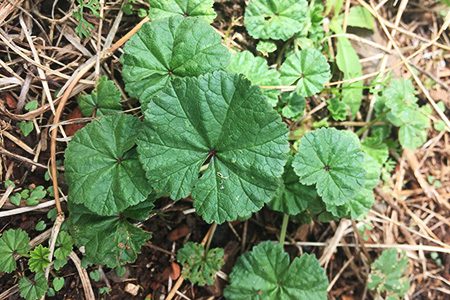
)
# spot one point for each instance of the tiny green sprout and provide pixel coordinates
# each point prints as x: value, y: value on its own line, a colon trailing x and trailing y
x: 32, y: 105
x: 26, y: 127
x: 9, y: 183
x: 58, y: 283
x: 40, y: 226
x: 95, y: 275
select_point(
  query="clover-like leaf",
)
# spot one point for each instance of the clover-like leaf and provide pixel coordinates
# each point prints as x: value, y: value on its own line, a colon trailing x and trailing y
x: 258, y: 72
x: 200, y: 266
x: 102, y: 167
x: 113, y: 240
x: 39, y: 259
x: 332, y: 160
x: 278, y: 20
x: 218, y: 120
x: 266, y: 273
x: 308, y: 69
x: 187, y: 8
x: 104, y: 100
x: 168, y: 48
x: 33, y: 289
x: 12, y: 242
x: 293, y: 197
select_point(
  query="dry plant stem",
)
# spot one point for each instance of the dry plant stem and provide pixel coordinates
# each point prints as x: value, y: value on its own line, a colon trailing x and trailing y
x: 206, y: 240
x: 21, y: 158
x: 22, y: 210
x: 52, y: 243
x: 87, y: 287
x: 330, y: 286
x: 334, y: 241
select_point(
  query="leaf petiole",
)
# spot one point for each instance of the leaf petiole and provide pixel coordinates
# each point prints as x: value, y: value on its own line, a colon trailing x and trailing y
x: 284, y: 228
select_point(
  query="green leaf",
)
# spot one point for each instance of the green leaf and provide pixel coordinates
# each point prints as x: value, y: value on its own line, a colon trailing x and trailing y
x: 266, y: 273
x: 64, y: 244
x: 337, y: 109
x: 102, y: 168
x: 112, y: 241
x: 359, y: 16
x: 293, y: 105
x: 293, y: 197
x: 308, y: 69
x: 376, y: 148
x: 333, y: 161
x: 15, y: 199
x: 36, y: 195
x: 33, y: 290
x: 39, y: 259
x: 278, y: 20
x: 95, y: 275
x: 40, y: 226
x: 336, y: 4
x: 388, y: 274
x: 186, y: 8
x: 58, y: 283
x: 404, y: 112
x: 200, y: 266
x: 32, y: 105
x: 218, y: 120
x: 169, y: 48
x: 104, y: 100
x: 266, y: 47
x: 12, y: 242
x: 347, y: 61
x: 258, y: 72
x: 26, y: 127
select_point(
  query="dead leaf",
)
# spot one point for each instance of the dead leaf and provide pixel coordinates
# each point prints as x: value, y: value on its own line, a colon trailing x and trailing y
x: 71, y: 129
x: 176, y: 271
x: 178, y: 233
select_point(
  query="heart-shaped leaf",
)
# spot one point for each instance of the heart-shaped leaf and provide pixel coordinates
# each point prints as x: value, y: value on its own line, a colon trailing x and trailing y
x: 218, y: 120
x: 168, y: 48
x: 102, y: 167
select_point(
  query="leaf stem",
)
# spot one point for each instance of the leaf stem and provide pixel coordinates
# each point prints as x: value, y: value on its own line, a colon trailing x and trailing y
x: 284, y: 228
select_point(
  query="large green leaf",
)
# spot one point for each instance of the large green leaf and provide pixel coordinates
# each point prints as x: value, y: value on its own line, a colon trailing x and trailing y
x: 168, y: 48
x: 112, y: 241
x: 12, y: 242
x: 218, y: 119
x: 333, y: 161
x: 266, y: 273
x: 200, y: 265
x: 258, y: 72
x: 102, y: 168
x: 293, y: 197
x: 275, y: 19
x: 104, y: 100
x: 188, y: 8
x: 308, y: 69
x: 33, y: 289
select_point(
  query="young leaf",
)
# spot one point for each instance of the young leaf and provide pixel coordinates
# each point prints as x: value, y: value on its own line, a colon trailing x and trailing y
x: 169, y: 48
x: 293, y: 197
x: 221, y: 121
x: 33, y: 290
x: 387, y: 276
x: 187, y: 8
x: 40, y: 226
x: 32, y: 105
x: 39, y: 259
x: 266, y: 273
x: 200, y: 266
x: 257, y: 71
x: 266, y: 47
x: 12, y: 242
x: 112, y: 241
x: 337, y: 109
x: 104, y: 100
x: 278, y: 20
x: 26, y: 127
x: 308, y: 69
x: 333, y: 161
x: 58, y: 283
x: 293, y: 105
x: 102, y: 168
x: 64, y: 244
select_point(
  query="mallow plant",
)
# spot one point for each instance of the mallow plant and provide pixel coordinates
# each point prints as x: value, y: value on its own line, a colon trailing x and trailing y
x: 208, y: 131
